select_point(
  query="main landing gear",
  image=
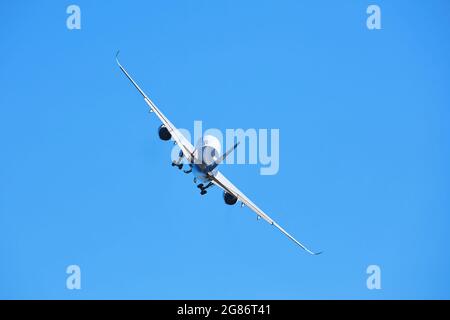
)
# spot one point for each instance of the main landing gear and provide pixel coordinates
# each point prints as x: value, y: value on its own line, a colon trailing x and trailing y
x: 178, y: 163
x: 189, y: 170
x: 203, y: 188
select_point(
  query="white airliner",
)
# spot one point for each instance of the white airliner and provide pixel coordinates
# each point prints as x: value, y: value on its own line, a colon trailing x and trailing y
x: 203, y: 161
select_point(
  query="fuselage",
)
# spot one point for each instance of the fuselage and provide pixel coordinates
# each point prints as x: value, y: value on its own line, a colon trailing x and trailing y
x: 206, y: 155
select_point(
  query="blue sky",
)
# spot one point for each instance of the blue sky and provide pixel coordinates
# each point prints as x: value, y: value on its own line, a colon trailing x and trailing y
x: 364, y: 149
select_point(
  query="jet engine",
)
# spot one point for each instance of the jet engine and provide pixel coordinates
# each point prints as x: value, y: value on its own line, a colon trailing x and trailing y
x: 164, y: 133
x: 229, y: 198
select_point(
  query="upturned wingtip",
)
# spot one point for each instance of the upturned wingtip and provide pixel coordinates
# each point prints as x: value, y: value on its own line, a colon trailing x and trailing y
x: 117, y: 57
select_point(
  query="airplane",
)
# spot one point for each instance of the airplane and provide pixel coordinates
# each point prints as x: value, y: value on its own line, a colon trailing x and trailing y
x: 203, y: 161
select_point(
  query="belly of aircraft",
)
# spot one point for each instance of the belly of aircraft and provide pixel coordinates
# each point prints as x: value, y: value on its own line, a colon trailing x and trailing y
x: 200, y: 172
x: 203, y: 171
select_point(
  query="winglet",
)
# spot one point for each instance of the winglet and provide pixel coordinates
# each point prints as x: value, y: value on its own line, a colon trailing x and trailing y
x: 295, y: 240
x: 117, y: 58
x: 131, y: 79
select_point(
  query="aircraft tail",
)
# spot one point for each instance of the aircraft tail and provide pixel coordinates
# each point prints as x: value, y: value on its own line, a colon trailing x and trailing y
x: 225, y: 155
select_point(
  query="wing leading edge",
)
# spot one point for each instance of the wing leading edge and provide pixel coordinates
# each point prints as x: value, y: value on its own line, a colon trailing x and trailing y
x: 183, y: 143
x: 222, y: 182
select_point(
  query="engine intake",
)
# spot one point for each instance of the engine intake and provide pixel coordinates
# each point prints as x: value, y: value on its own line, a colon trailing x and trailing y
x: 164, y: 133
x: 229, y: 198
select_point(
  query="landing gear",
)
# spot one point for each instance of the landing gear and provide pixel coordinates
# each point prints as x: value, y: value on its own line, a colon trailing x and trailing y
x: 203, y: 187
x: 189, y: 170
x: 179, y: 165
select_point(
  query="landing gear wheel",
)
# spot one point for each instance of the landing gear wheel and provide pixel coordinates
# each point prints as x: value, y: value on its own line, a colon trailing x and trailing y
x: 203, y: 192
x: 180, y: 166
x: 200, y: 186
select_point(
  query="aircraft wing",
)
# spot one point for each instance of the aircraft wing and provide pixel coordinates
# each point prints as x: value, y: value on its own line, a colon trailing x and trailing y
x: 184, y: 144
x: 222, y: 182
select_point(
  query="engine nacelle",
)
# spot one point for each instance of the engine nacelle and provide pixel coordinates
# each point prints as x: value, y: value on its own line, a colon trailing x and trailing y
x: 229, y: 198
x: 164, y: 133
